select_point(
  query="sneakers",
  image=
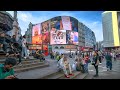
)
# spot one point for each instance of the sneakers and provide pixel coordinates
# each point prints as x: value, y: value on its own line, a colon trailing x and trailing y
x: 107, y: 69
x: 71, y: 74
x: 67, y: 76
x: 25, y: 57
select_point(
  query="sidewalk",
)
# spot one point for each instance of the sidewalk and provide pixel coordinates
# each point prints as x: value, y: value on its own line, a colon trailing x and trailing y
x: 39, y: 73
x: 103, y: 73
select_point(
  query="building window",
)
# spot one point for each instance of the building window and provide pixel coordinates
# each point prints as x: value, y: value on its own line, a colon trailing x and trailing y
x: 56, y: 47
x: 61, y: 47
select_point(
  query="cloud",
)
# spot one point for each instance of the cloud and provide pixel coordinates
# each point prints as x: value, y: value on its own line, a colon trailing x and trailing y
x: 25, y: 17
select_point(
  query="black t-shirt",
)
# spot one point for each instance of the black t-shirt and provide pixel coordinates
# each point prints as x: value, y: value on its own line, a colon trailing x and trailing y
x: 2, y: 40
x: 96, y: 58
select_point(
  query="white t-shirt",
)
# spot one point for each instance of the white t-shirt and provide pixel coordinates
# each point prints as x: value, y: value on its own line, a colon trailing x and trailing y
x: 24, y: 42
x: 28, y: 52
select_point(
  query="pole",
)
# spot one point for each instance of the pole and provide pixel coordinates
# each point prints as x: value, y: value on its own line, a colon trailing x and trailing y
x: 42, y: 42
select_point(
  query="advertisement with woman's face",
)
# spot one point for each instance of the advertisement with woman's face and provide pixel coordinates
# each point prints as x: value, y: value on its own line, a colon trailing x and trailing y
x: 36, y: 34
x: 58, y: 37
x: 66, y: 22
x: 46, y: 38
x: 72, y: 37
x: 56, y: 24
x: 45, y: 27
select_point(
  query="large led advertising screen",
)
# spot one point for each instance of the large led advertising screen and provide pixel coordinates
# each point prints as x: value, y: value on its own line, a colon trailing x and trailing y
x: 58, y: 37
x: 45, y: 26
x: 45, y: 32
x: 36, y: 34
x: 66, y: 23
x: 56, y: 23
x: 71, y: 37
x: 46, y: 38
x: 74, y: 24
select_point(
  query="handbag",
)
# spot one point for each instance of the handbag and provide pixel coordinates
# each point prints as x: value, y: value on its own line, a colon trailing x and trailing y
x: 93, y: 63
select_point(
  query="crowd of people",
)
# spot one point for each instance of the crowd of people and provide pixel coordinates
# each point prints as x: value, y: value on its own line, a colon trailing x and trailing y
x: 81, y: 62
x: 19, y: 49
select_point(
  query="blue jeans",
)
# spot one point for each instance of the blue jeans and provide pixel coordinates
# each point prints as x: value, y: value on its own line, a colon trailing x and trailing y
x: 86, y: 67
x: 24, y: 51
x: 109, y: 64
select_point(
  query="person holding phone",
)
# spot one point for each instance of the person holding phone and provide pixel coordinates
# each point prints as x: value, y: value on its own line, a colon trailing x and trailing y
x: 6, y: 69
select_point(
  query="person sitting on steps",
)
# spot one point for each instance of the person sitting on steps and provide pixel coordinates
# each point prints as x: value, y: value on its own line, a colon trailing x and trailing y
x: 6, y: 69
x: 67, y: 68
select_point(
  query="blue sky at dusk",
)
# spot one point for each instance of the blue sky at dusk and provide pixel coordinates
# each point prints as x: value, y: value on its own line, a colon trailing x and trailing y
x: 92, y: 19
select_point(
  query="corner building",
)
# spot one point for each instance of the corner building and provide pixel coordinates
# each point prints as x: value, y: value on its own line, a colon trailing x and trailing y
x: 61, y: 34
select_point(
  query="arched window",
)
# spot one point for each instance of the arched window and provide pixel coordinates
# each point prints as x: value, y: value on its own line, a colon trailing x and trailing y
x: 56, y: 47
x: 61, y: 47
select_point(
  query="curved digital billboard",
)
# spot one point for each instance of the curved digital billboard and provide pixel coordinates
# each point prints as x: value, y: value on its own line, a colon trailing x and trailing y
x: 36, y: 34
x: 71, y: 37
x: 58, y: 37
x: 58, y: 30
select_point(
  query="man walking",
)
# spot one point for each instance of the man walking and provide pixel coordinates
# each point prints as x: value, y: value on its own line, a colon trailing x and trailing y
x: 108, y: 58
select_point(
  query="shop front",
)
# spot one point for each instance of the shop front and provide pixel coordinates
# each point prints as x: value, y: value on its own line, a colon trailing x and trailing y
x: 34, y: 47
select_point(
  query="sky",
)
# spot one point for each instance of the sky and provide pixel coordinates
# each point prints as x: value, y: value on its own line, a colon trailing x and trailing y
x: 92, y: 19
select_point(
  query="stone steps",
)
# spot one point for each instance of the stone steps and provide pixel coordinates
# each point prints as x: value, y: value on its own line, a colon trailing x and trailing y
x: 76, y: 73
x: 23, y: 65
x: 89, y: 77
x: 30, y: 67
x: 81, y: 76
x: 60, y: 75
x: 53, y: 75
x: 23, y: 60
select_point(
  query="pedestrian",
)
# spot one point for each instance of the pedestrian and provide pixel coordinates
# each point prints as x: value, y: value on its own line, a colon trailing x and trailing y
x: 60, y: 63
x: 79, y: 64
x: 14, y: 39
x: 86, y: 59
x: 51, y: 54
x: 6, y: 69
x: 108, y: 58
x: 3, y: 44
x: 100, y: 57
x: 114, y: 56
x: 96, y: 63
x: 28, y: 52
x: 20, y: 49
x: 67, y: 68
x: 24, y: 47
